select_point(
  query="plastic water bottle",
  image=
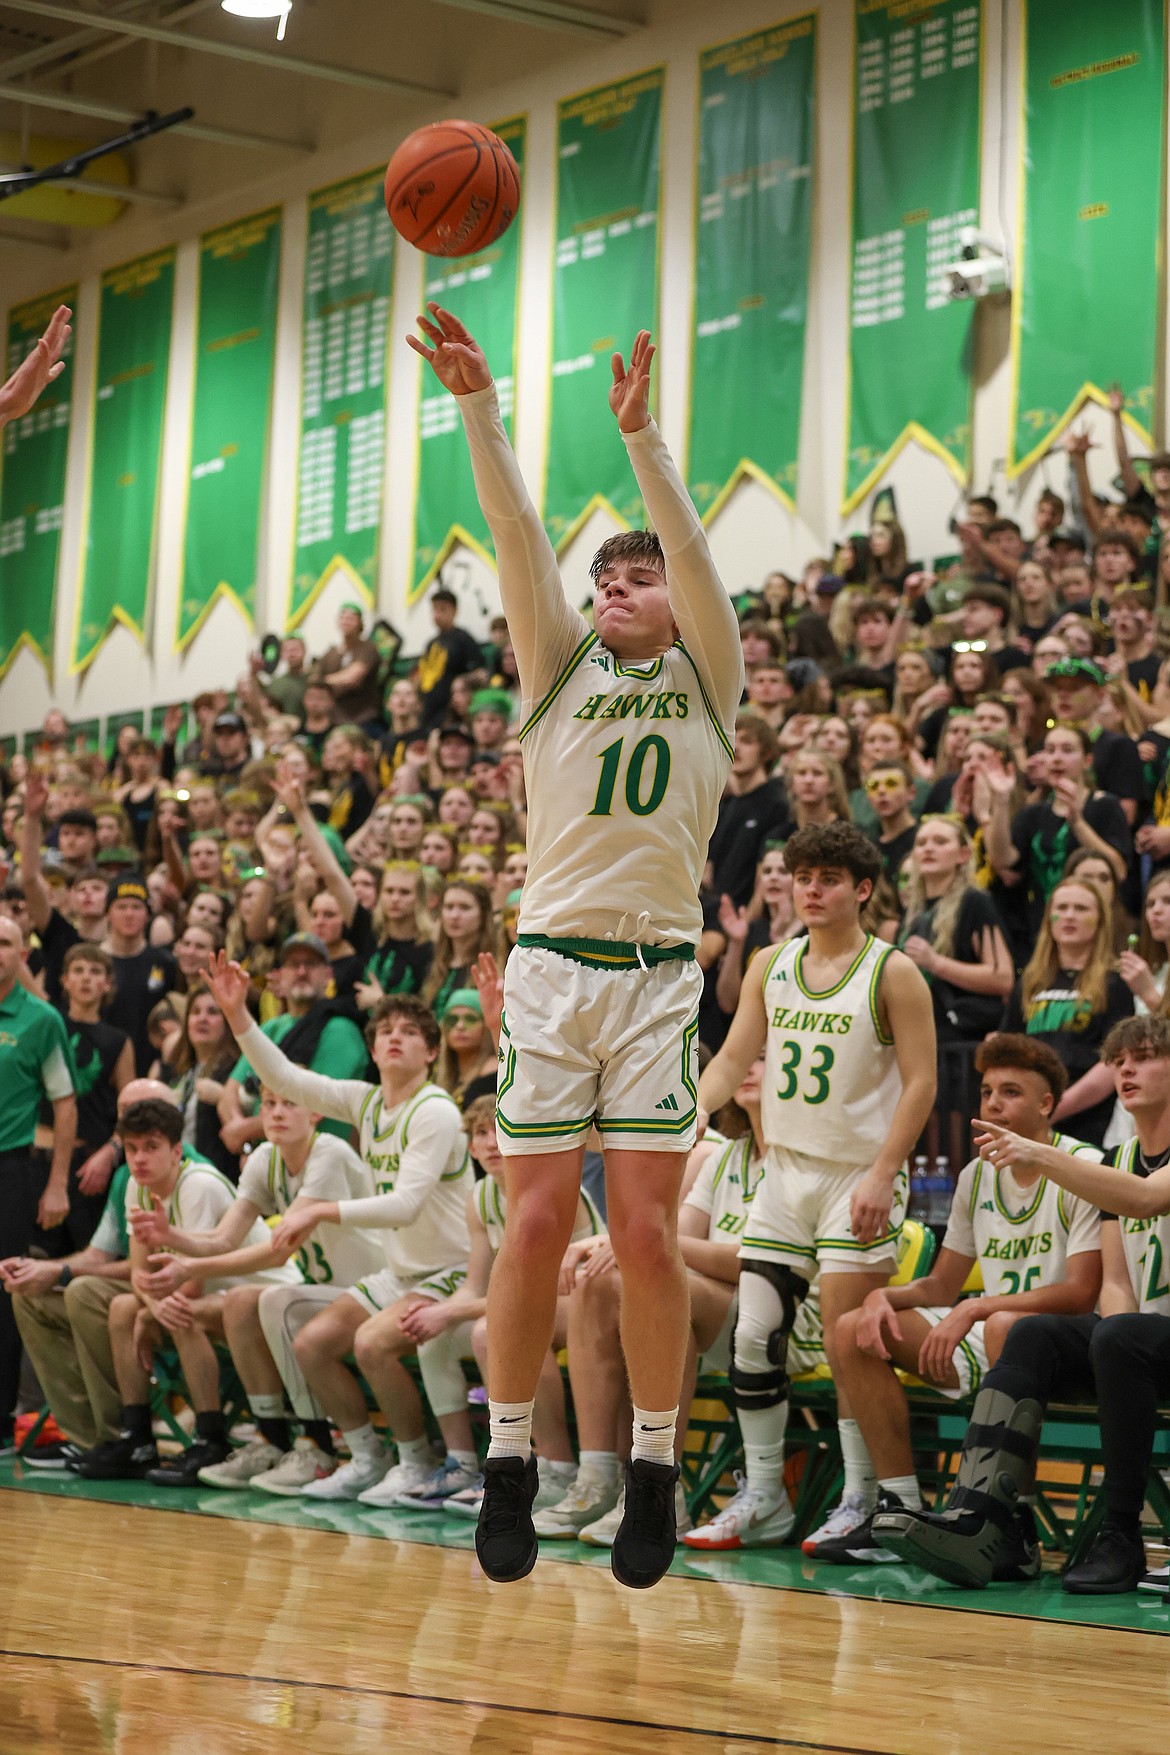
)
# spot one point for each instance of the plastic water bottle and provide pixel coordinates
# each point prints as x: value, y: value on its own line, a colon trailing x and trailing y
x: 919, y: 1190
x: 940, y: 1202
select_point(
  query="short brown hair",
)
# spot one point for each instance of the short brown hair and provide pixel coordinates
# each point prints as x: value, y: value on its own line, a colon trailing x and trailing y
x: 481, y: 1113
x: 152, y: 1115
x: 1026, y: 1054
x: 753, y: 726
x: 866, y: 606
x: 405, y: 1005
x: 1131, y: 1034
x: 88, y: 954
x: 640, y: 546
x: 834, y: 844
x: 994, y: 596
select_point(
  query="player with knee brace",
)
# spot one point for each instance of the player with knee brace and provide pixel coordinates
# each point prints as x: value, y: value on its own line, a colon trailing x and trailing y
x: 847, y: 1027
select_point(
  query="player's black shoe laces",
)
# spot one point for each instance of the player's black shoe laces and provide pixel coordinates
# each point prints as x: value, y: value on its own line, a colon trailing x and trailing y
x: 505, y: 1504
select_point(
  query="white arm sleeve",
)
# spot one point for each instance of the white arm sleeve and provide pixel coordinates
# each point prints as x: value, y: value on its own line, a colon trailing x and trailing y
x: 544, y: 629
x: 340, y: 1099
x: 434, y: 1129
x: 704, y: 612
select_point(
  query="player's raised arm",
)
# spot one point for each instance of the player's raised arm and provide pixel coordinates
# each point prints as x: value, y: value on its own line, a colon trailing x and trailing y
x: 544, y: 629
x: 704, y: 612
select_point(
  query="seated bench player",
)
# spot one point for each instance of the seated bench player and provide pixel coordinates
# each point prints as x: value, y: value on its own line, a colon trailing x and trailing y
x: 194, y: 1196
x: 411, y: 1139
x: 1037, y: 1249
x: 297, y: 1163
x: 456, y: 1328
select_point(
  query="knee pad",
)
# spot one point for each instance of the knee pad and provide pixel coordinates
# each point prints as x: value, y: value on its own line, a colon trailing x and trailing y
x: 762, y: 1381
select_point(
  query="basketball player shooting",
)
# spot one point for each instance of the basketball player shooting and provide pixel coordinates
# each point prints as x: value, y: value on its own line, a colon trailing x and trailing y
x: 627, y: 740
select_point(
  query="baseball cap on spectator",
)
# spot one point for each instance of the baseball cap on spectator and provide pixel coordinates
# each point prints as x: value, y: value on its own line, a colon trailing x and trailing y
x: 828, y: 585
x: 229, y: 722
x: 492, y: 701
x: 1068, y: 539
x: 1076, y: 669
x: 304, y: 941
x: 127, y: 889
x: 456, y: 730
x: 123, y: 856
x: 488, y: 758
x: 802, y: 673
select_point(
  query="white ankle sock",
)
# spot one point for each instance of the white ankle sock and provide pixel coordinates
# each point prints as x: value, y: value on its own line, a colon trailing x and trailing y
x: 267, y: 1407
x: 556, y: 1471
x: 860, y: 1480
x: 763, y: 1465
x: 466, y: 1459
x: 654, y: 1436
x: 601, y: 1464
x: 364, y: 1443
x: 906, y: 1487
x: 415, y: 1450
x: 511, y: 1428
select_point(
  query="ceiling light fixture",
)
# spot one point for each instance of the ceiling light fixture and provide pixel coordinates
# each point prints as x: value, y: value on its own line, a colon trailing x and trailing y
x: 261, y: 9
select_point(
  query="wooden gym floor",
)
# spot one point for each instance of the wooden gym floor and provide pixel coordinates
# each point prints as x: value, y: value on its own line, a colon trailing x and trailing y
x: 143, y: 1631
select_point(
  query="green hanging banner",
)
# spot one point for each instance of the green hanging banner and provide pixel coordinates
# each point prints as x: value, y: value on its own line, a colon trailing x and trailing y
x: 32, y: 492
x: 915, y: 186
x: 126, y: 432
x: 753, y: 227
x: 483, y: 291
x: 235, y: 354
x: 605, y: 288
x: 1089, y: 249
x: 348, y: 270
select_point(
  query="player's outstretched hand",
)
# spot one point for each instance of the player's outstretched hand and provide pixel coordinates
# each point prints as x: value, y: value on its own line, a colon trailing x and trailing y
x: 457, y: 359
x: 1004, y: 1149
x: 229, y: 988
x: 629, y: 394
x: 33, y: 374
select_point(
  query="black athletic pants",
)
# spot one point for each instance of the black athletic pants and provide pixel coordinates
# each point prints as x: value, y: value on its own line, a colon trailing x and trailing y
x: 1121, y: 1361
x: 22, y: 1183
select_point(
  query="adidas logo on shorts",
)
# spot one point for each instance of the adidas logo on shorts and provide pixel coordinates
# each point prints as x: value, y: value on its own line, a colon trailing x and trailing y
x: 668, y: 1103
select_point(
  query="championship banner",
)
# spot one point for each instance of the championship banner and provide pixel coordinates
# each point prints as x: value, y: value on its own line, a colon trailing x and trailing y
x: 125, y: 447
x: 482, y: 290
x: 32, y: 492
x: 344, y: 370
x: 235, y: 355
x: 605, y: 288
x: 915, y: 186
x: 1089, y: 249
x: 753, y: 228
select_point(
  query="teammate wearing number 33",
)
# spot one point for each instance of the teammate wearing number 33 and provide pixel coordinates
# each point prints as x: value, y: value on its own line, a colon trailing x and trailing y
x: 847, y: 1028
x: 627, y: 737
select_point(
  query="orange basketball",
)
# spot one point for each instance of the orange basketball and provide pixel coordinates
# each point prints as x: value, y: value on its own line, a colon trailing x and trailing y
x: 452, y: 188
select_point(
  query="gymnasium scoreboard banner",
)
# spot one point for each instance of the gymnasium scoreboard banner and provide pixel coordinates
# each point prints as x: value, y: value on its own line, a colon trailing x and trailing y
x: 605, y: 288
x: 916, y: 105
x: 482, y: 290
x: 235, y: 356
x: 753, y: 227
x: 126, y: 433
x: 32, y: 491
x: 344, y: 369
x: 1089, y: 247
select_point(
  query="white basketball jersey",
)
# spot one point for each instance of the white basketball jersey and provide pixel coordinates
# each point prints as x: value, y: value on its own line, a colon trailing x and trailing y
x: 1021, y: 1237
x: 1146, y: 1243
x: 438, y: 1237
x: 492, y: 1207
x: 334, y: 1254
x: 728, y: 1178
x: 831, y: 1081
x: 626, y: 765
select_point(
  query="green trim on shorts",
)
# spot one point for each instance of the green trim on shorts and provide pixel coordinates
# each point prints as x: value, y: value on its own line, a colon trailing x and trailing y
x: 527, y: 1130
x: 539, y: 712
x: 600, y: 953
x: 658, y: 1123
x: 720, y: 729
x: 852, y: 1244
x: 769, y: 1243
x: 976, y: 1369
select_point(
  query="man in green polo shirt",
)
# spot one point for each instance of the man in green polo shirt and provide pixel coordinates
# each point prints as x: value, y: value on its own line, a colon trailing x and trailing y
x: 63, y: 1313
x: 35, y: 1066
x: 309, y: 1031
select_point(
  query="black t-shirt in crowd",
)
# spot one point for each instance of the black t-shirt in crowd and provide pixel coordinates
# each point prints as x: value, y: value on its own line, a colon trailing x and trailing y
x: 1062, y: 1018
x: 1044, y: 841
x: 745, y: 822
x: 1143, y: 675
x: 959, y: 1015
x: 400, y: 965
x: 140, y: 982
x: 1117, y: 765
x: 896, y: 851
x: 96, y: 1048
x: 450, y: 654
